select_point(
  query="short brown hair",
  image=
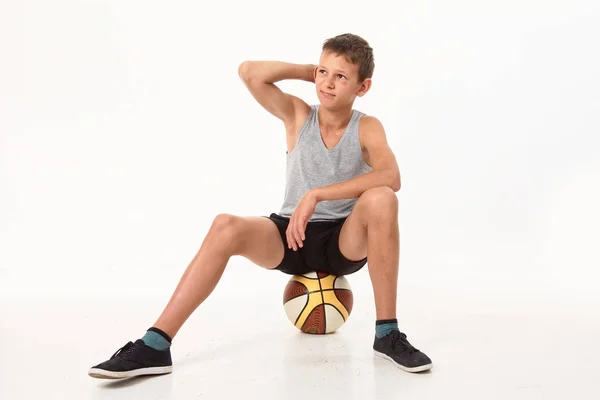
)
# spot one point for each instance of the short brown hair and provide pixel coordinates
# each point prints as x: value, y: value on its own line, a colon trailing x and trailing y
x: 356, y: 50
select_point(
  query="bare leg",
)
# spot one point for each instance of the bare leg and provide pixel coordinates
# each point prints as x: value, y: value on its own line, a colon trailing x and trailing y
x: 374, y: 221
x: 384, y: 255
x: 256, y: 238
x: 372, y: 229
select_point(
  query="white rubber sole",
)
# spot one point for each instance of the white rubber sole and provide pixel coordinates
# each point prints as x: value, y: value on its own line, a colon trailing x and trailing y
x: 104, y: 374
x: 413, y: 369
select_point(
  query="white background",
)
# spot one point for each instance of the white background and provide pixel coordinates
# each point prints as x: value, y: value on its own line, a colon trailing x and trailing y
x: 125, y: 129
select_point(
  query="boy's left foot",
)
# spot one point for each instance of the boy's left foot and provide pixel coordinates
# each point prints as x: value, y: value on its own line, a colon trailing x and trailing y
x: 396, y: 348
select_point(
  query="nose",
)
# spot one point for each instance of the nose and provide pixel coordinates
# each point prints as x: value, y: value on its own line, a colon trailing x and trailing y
x: 329, y: 82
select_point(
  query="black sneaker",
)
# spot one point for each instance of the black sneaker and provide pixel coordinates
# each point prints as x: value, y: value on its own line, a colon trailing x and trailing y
x: 396, y: 348
x: 134, y: 359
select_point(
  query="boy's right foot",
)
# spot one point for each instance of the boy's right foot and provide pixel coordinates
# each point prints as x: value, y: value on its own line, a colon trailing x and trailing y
x: 134, y: 359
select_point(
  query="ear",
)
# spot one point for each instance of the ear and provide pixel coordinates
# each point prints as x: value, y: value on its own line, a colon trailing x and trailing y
x: 364, y: 87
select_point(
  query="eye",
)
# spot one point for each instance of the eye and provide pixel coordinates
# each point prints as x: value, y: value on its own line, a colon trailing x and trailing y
x: 321, y: 70
x: 342, y: 76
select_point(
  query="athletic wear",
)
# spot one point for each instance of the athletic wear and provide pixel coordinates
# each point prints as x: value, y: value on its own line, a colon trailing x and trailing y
x: 311, y: 165
x: 134, y: 359
x: 385, y: 326
x: 396, y: 348
x: 320, y: 251
x: 157, y: 339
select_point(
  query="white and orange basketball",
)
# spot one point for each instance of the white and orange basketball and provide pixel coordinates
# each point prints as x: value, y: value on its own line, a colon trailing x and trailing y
x: 318, y: 302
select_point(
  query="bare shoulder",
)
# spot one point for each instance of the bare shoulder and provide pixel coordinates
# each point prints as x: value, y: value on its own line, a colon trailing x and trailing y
x: 369, y: 128
x: 376, y: 149
x: 301, y: 111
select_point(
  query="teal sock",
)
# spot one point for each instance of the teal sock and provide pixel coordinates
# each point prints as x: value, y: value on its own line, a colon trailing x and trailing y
x: 385, y: 326
x: 157, y: 339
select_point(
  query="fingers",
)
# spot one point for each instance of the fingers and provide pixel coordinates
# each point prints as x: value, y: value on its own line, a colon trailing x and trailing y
x: 297, y: 237
x: 300, y: 233
x: 288, y: 237
x: 295, y: 234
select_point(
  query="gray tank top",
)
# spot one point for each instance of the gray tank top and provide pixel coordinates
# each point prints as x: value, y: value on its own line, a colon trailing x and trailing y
x: 311, y: 165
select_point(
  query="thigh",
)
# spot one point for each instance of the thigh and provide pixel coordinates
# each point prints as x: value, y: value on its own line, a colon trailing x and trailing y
x: 257, y: 239
x: 352, y: 242
x: 347, y: 248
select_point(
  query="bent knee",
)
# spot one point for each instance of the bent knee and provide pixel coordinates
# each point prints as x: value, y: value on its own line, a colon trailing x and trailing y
x: 224, y: 221
x: 381, y: 197
x: 227, y: 228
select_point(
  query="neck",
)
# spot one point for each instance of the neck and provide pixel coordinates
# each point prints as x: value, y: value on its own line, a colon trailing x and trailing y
x: 334, y: 120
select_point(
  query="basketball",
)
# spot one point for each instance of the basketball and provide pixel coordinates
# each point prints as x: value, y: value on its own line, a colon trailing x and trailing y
x: 318, y: 302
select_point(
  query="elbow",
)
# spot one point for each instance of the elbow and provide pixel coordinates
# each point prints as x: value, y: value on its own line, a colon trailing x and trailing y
x: 243, y: 70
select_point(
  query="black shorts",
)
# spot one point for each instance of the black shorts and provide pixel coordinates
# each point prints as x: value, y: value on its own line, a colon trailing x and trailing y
x: 320, y: 251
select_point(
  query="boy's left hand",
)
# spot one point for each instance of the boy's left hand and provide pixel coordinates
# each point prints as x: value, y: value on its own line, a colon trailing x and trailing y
x: 299, y: 219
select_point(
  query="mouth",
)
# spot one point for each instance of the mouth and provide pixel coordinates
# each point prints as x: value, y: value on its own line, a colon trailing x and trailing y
x: 327, y: 94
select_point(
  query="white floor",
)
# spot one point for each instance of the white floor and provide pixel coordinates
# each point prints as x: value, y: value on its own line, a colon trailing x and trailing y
x: 488, y: 338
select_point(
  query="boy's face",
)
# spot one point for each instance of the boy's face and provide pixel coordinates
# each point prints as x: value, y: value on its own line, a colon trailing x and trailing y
x: 338, y: 77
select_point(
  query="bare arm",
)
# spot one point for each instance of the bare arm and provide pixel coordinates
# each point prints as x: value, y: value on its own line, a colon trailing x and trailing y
x: 260, y: 77
x: 385, y: 167
x: 274, y: 71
